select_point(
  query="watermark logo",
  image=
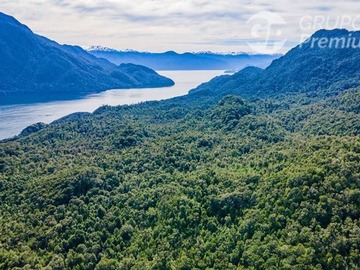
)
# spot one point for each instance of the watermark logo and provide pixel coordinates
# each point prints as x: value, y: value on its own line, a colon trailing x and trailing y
x: 313, y: 23
x: 266, y: 32
x: 343, y: 39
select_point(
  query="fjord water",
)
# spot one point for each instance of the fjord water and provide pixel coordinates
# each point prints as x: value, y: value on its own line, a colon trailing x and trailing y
x: 14, y: 118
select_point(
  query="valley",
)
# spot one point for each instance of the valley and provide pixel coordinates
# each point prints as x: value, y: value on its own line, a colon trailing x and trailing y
x: 123, y: 167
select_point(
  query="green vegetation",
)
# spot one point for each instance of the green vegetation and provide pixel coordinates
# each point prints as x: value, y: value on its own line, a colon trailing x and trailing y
x: 205, y: 181
x: 306, y: 68
x: 225, y: 184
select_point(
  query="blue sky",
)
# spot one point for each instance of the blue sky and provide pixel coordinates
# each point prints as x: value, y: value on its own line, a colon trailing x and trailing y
x: 183, y: 25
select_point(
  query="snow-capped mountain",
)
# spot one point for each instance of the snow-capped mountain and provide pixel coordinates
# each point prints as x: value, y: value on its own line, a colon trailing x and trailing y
x: 170, y: 60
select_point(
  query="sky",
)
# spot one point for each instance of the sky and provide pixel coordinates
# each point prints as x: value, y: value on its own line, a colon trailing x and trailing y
x: 256, y: 26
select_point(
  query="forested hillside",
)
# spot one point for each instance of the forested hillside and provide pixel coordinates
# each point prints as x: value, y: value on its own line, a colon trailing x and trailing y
x: 253, y: 185
x: 36, y: 69
x: 307, y: 67
x: 196, y: 182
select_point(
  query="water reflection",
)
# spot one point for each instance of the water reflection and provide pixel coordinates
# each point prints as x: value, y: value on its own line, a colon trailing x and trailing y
x: 14, y: 118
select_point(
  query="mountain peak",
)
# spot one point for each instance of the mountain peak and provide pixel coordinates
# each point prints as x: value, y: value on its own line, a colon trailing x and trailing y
x: 331, y: 32
x: 34, y: 68
x: 332, y: 39
x: 327, y: 62
x: 171, y: 53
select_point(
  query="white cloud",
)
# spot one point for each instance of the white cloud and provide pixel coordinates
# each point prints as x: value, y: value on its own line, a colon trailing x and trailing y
x: 182, y: 25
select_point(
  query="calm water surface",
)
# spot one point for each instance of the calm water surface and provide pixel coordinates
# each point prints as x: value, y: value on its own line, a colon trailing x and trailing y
x: 14, y: 118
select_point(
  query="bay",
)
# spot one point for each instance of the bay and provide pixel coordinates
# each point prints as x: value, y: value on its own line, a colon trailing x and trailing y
x: 14, y: 118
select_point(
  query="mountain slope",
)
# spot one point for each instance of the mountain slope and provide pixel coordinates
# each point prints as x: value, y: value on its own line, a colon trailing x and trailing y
x: 265, y: 183
x: 35, y: 68
x: 158, y: 185
x: 187, y: 61
x: 227, y: 83
x: 305, y: 68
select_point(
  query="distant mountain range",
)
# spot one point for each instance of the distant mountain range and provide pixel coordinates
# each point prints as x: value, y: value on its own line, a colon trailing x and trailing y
x: 305, y: 68
x: 203, y: 181
x: 34, y: 68
x: 186, y: 61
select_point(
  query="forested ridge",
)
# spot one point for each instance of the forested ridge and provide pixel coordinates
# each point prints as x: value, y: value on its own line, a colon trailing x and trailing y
x: 306, y: 68
x: 34, y: 68
x: 196, y: 182
x: 240, y: 185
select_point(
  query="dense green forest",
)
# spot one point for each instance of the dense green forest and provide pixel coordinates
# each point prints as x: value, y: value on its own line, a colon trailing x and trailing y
x: 237, y: 184
x: 239, y: 174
